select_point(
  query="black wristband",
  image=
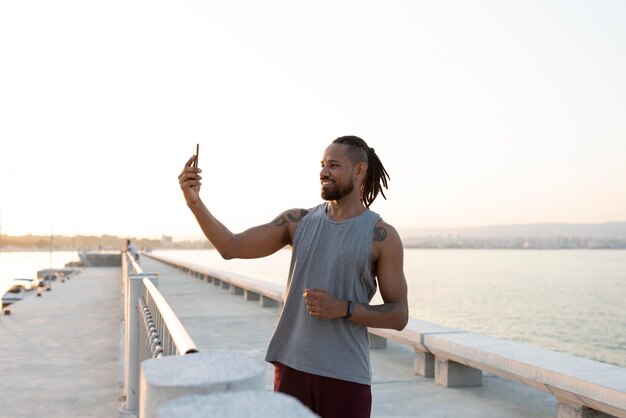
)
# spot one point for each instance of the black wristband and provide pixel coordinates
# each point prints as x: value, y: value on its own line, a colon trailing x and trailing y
x: 349, y: 310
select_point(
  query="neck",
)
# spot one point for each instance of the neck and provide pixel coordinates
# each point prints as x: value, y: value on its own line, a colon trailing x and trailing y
x: 342, y: 209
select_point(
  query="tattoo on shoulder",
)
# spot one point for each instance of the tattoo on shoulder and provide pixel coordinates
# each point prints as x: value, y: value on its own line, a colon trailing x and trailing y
x: 279, y: 220
x: 380, y: 234
x: 295, y: 215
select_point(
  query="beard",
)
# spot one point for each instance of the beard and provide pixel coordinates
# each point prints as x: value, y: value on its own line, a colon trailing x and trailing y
x: 336, y: 192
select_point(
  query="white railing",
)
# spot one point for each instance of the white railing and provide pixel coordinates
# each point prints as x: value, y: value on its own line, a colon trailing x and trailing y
x: 457, y: 358
x: 152, y: 329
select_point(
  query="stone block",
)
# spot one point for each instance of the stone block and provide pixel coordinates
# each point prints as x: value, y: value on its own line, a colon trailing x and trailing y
x: 249, y: 295
x: 268, y: 302
x: 424, y: 364
x: 455, y: 375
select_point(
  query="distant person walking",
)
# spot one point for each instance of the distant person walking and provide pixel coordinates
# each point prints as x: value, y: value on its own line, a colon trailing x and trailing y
x: 133, y: 250
x: 320, y: 347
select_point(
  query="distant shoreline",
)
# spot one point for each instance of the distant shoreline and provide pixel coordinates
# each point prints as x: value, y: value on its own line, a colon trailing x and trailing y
x: 406, y: 247
x: 520, y: 237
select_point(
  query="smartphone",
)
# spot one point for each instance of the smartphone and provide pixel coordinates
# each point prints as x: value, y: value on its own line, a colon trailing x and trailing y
x: 196, y: 150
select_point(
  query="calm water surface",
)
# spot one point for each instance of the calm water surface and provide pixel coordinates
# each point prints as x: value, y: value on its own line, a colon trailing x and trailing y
x: 26, y: 263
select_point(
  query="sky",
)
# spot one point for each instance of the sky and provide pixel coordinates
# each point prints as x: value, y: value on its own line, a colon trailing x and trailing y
x: 483, y: 113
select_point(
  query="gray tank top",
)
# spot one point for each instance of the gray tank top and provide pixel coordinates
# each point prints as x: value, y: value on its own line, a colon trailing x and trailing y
x: 335, y: 256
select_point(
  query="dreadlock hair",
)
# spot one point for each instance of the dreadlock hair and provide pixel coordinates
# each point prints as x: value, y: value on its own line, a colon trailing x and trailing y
x: 376, y: 176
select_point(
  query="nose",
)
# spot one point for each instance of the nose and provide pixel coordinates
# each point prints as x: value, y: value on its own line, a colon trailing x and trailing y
x: 324, y: 172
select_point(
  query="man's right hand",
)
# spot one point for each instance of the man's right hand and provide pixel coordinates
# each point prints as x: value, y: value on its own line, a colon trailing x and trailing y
x: 189, y: 180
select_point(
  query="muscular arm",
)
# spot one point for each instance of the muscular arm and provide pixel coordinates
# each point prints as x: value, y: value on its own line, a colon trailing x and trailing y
x: 394, y: 312
x: 255, y: 242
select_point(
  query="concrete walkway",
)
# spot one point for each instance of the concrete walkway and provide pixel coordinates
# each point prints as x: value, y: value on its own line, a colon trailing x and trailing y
x: 59, y: 353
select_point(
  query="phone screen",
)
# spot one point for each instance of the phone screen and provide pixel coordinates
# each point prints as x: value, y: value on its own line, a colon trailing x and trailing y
x: 196, y: 150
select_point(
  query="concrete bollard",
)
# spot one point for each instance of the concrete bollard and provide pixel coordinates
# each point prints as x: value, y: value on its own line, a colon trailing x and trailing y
x: 234, y: 405
x: 171, y: 377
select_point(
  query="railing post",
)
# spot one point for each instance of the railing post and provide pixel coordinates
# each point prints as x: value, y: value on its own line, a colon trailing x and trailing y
x: 125, y: 289
x: 134, y: 291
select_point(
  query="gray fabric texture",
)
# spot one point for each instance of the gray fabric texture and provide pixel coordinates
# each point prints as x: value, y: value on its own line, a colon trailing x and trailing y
x: 334, y: 256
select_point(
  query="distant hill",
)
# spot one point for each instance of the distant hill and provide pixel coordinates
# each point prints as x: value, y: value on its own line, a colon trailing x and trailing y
x: 533, y: 236
x: 611, y: 230
x: 91, y: 242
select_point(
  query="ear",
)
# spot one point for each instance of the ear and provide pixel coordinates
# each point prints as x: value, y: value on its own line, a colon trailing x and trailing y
x: 361, y: 169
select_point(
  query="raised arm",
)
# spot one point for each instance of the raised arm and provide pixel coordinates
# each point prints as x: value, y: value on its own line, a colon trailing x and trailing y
x: 255, y: 242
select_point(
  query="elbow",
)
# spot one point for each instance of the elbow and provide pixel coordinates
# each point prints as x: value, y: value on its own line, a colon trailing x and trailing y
x: 226, y: 254
x: 403, y: 319
x: 400, y: 325
x: 228, y: 250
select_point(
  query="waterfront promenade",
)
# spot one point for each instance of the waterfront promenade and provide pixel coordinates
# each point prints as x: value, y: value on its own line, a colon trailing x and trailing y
x: 60, y: 354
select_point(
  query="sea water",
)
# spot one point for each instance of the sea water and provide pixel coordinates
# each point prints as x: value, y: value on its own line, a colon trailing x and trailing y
x: 25, y: 264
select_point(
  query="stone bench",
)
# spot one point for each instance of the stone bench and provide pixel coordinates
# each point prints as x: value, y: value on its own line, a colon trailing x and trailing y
x: 412, y: 335
x: 581, y: 386
x: 268, y: 294
x: 455, y: 358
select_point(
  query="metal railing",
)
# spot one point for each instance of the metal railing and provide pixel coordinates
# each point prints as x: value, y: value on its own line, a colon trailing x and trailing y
x: 174, y: 338
x: 152, y: 329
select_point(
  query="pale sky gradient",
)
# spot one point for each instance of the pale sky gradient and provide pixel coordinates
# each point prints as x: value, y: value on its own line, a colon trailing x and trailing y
x: 484, y: 112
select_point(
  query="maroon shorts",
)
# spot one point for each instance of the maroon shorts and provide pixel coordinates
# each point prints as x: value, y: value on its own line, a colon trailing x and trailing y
x: 325, y: 396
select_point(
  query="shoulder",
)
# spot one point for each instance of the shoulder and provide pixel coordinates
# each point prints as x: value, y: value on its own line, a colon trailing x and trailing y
x: 385, y: 241
x: 293, y: 216
x: 384, y: 232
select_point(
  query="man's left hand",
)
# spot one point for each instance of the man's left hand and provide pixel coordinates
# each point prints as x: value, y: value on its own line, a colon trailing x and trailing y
x: 323, y: 305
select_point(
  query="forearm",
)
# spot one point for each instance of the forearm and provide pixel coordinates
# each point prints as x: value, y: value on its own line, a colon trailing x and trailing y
x: 393, y: 315
x: 218, y: 235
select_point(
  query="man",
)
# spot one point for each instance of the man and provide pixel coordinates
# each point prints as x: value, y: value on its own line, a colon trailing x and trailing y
x: 320, y: 346
x: 132, y: 248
